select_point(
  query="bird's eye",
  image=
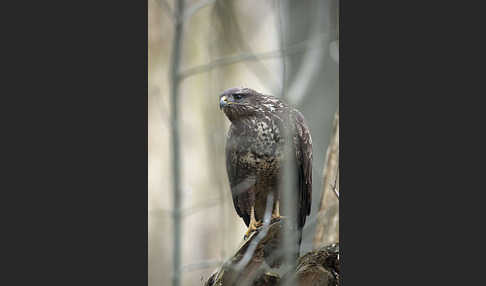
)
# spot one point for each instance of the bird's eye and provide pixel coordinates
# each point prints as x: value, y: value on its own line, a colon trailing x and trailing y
x: 237, y: 96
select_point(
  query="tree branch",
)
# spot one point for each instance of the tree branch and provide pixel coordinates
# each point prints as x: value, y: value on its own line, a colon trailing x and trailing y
x: 292, y: 49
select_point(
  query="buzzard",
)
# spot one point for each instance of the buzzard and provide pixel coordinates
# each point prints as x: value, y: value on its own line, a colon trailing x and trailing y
x: 255, y: 155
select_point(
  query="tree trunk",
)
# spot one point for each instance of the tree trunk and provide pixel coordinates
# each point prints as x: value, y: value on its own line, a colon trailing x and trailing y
x: 327, y: 227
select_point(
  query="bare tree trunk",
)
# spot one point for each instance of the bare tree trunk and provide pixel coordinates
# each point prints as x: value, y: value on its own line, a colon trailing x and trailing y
x: 327, y: 227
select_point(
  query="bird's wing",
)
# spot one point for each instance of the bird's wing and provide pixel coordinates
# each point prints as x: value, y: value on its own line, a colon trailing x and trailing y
x: 303, y: 146
x: 239, y: 184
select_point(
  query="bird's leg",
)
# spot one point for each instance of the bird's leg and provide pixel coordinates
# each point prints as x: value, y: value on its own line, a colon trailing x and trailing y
x: 276, y: 211
x: 254, y: 224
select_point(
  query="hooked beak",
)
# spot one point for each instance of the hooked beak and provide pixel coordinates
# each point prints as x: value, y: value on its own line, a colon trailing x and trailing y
x: 223, y: 101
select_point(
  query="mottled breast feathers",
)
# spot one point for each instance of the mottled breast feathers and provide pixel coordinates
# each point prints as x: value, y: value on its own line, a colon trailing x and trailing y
x: 255, y: 150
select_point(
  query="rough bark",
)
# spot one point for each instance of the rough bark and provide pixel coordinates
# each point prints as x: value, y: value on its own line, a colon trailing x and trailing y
x: 318, y: 267
x: 264, y: 265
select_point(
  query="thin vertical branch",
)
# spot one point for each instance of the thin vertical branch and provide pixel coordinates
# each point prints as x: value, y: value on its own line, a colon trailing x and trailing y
x: 174, y: 92
x: 261, y: 234
x: 289, y: 199
x: 282, y: 47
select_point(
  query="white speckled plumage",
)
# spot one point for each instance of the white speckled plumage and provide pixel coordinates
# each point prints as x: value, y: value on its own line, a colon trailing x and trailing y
x: 255, y: 150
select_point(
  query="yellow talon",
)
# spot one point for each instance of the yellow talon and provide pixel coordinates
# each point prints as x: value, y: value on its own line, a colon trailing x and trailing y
x: 254, y: 224
x: 252, y: 227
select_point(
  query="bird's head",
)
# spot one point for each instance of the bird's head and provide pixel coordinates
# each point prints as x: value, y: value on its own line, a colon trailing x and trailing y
x: 237, y: 103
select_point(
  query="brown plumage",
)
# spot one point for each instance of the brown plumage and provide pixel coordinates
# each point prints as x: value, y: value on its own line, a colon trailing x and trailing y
x: 255, y: 154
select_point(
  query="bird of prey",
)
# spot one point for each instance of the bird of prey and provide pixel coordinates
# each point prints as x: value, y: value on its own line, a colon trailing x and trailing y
x: 255, y: 155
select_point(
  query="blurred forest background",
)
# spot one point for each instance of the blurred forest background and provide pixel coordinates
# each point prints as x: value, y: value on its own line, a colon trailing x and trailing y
x: 284, y: 48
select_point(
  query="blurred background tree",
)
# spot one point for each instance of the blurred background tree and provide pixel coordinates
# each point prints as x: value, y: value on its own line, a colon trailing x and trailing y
x: 284, y: 48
